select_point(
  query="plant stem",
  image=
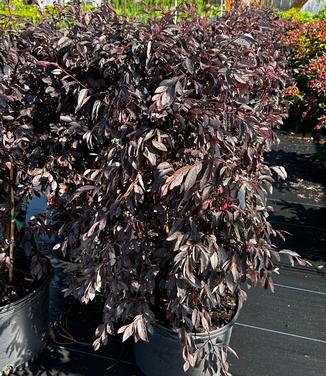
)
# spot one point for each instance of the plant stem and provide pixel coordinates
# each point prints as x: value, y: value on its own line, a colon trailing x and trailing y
x: 47, y: 63
x: 12, y: 224
x: 175, y: 11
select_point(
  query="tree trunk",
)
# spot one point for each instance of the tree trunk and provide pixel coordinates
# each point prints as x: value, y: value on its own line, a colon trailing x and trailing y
x: 299, y: 3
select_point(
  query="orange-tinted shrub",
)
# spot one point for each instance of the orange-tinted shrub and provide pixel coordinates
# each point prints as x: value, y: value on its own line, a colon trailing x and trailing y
x: 306, y: 40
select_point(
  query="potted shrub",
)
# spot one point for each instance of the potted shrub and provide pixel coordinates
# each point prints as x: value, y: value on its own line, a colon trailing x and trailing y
x: 24, y: 278
x: 307, y: 94
x: 156, y: 156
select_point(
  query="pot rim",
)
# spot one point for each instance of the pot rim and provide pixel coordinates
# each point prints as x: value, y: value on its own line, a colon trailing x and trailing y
x: 204, y: 335
x: 20, y: 302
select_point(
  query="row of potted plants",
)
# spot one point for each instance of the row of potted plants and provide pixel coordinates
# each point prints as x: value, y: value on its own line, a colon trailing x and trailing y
x: 308, y: 62
x: 149, y: 140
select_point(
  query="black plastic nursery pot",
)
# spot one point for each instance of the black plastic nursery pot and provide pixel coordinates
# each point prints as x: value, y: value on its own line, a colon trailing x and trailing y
x: 162, y: 355
x: 24, y: 328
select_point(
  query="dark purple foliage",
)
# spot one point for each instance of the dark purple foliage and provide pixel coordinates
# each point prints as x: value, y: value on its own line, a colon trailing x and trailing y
x: 151, y: 140
x: 18, y: 152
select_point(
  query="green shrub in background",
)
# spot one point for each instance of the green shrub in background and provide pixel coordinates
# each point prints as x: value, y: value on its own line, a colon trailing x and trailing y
x: 154, y: 8
x: 129, y: 8
x: 294, y: 14
x: 19, y: 9
x: 321, y: 15
x: 297, y: 15
x: 16, y: 14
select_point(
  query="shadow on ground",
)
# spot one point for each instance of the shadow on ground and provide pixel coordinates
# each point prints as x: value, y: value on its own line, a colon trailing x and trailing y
x: 300, y: 201
x: 306, y: 168
x: 69, y: 351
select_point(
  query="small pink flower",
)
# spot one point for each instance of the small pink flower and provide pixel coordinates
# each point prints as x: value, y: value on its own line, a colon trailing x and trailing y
x: 250, y: 246
x: 225, y: 205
